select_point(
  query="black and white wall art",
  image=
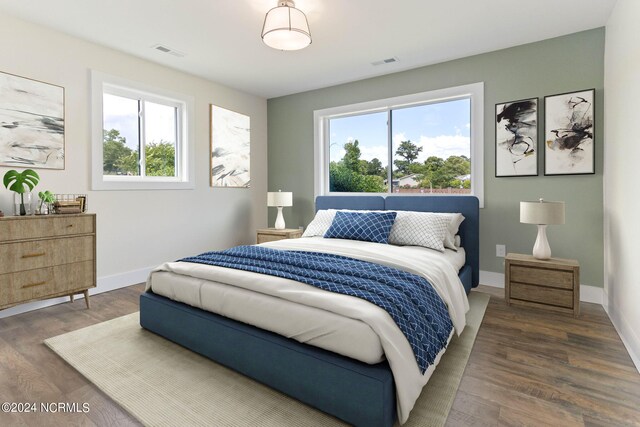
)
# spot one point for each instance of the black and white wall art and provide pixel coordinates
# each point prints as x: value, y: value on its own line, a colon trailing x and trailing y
x: 230, y: 148
x: 517, y: 138
x: 569, y: 133
x: 31, y: 123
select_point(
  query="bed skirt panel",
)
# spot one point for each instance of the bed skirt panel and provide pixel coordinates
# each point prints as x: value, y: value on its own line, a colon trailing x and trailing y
x: 358, y: 393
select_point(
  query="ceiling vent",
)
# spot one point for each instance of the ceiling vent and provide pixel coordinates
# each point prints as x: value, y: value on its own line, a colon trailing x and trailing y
x: 386, y: 61
x: 165, y: 49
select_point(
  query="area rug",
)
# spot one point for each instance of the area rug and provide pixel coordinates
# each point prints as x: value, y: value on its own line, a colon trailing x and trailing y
x: 164, y: 384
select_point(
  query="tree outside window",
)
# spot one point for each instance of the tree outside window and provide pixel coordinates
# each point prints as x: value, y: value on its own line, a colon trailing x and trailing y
x: 430, y: 150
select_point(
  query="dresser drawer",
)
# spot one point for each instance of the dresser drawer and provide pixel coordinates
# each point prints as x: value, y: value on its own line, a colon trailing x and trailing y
x: 542, y: 276
x: 45, y: 253
x: 45, y: 282
x: 541, y: 294
x: 46, y: 226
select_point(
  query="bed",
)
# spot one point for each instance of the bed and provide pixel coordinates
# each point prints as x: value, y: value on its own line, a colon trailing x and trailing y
x: 350, y: 389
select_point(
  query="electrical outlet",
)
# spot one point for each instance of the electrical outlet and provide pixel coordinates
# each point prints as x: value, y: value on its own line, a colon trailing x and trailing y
x: 501, y: 251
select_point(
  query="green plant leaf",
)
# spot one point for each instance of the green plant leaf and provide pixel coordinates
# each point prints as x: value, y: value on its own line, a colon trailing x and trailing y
x: 16, y: 181
x: 46, y: 196
x: 9, y: 176
x: 31, y: 178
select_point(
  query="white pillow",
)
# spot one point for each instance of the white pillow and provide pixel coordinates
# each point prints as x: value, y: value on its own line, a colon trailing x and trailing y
x: 425, y: 229
x: 455, y: 219
x: 457, y: 241
x: 320, y: 224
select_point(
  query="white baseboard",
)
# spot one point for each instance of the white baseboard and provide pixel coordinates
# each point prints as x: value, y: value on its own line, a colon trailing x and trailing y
x: 587, y: 293
x: 490, y: 278
x: 628, y: 336
x: 105, y: 284
x: 117, y: 281
x: 591, y: 294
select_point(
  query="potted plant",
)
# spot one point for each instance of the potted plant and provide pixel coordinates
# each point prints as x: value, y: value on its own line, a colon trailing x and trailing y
x: 48, y: 198
x: 19, y: 182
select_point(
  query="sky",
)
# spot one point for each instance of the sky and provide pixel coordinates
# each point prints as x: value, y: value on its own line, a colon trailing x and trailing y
x: 442, y: 129
x: 122, y: 114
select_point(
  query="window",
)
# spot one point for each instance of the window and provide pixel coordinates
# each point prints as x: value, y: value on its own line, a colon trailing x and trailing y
x: 141, y: 136
x: 426, y: 143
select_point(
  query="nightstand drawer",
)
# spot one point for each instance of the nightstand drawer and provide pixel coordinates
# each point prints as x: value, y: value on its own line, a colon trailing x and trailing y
x: 264, y: 238
x: 542, y: 294
x: 44, y: 282
x: 271, y: 234
x: 542, y: 276
x: 45, y: 253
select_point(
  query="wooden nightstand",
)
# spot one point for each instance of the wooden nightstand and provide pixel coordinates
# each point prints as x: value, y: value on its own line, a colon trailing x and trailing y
x: 553, y: 284
x: 271, y: 234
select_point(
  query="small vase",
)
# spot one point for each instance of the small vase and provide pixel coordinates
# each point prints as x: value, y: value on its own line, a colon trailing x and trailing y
x: 43, y: 208
x: 22, y: 204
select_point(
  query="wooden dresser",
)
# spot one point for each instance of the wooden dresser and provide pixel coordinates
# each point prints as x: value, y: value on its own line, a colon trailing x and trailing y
x: 271, y: 234
x: 46, y: 256
x: 552, y: 284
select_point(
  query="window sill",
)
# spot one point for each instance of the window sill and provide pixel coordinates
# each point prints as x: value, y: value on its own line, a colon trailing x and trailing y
x: 115, y: 184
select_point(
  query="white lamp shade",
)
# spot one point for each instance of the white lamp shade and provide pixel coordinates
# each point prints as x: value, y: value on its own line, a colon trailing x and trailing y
x: 286, y: 28
x: 542, y: 212
x: 279, y: 198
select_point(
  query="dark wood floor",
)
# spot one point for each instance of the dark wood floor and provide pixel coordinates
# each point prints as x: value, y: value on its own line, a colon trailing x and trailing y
x: 528, y: 367
x: 531, y: 367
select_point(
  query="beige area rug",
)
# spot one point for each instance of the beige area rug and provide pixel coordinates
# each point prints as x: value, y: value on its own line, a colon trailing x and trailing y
x: 163, y: 384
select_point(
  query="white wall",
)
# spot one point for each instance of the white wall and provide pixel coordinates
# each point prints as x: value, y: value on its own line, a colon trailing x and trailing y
x: 139, y: 229
x: 622, y: 157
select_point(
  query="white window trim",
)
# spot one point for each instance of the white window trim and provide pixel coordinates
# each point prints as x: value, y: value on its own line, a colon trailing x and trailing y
x: 185, y: 154
x: 474, y: 91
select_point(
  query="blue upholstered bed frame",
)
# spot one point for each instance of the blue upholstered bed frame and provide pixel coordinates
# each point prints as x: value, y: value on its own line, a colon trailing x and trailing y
x: 358, y: 393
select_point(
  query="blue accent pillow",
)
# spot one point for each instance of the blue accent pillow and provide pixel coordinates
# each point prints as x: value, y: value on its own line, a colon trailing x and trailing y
x: 367, y: 226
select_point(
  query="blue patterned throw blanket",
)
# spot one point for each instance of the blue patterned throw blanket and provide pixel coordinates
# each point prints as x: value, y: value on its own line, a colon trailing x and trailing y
x: 409, y: 299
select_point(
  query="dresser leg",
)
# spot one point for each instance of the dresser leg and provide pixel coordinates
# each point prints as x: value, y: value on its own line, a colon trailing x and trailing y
x: 71, y: 297
x: 86, y: 298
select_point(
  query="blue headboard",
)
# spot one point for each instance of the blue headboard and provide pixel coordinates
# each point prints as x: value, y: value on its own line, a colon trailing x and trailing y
x: 467, y: 205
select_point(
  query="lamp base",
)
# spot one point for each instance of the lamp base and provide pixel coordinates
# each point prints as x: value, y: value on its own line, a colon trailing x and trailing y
x: 279, y: 220
x: 541, y: 249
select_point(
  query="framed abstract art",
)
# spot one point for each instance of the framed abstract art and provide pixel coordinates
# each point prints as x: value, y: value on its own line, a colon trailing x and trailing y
x: 517, y: 138
x: 31, y: 123
x: 569, y: 133
x: 230, y: 148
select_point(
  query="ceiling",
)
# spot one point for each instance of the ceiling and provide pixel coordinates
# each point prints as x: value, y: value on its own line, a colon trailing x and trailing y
x: 221, y: 39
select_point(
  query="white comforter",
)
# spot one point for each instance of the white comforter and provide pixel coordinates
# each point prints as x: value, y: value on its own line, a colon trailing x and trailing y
x: 424, y: 262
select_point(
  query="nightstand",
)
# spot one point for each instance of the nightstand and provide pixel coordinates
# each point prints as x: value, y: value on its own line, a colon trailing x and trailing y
x: 552, y: 284
x: 271, y: 234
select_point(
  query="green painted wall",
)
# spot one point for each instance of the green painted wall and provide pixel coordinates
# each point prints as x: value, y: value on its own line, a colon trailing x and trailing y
x: 553, y: 66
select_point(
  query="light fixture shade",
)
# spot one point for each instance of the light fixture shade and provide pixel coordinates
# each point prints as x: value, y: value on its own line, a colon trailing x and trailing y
x: 286, y: 28
x: 542, y: 212
x: 279, y: 198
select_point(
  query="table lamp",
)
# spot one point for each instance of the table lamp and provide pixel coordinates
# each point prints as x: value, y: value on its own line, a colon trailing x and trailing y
x: 542, y: 213
x: 279, y: 199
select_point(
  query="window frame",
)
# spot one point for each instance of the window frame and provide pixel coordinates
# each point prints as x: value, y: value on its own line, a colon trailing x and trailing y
x: 102, y: 83
x: 475, y: 93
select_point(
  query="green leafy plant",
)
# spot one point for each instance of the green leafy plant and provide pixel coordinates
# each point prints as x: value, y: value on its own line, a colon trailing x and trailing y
x: 46, y: 197
x: 19, y: 182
